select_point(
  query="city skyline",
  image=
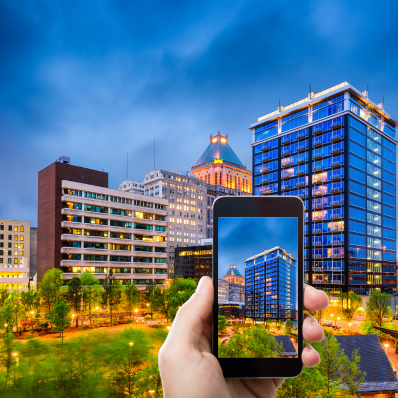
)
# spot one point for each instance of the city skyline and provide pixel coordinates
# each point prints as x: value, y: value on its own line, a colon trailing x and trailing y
x: 230, y: 237
x: 72, y: 87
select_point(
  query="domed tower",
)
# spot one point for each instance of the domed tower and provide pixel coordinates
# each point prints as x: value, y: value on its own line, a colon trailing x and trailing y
x: 234, y: 276
x: 219, y: 165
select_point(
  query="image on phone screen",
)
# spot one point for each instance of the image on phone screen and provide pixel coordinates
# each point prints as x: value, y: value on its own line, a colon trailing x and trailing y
x: 257, y: 287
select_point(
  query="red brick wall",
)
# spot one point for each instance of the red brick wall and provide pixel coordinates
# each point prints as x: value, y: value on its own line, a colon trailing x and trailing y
x: 49, y: 215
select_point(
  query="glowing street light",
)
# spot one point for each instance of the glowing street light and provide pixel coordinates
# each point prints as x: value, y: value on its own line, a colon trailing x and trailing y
x: 136, y: 320
x: 15, y: 354
x: 386, y: 345
x: 349, y: 324
x: 31, y: 319
x: 168, y: 328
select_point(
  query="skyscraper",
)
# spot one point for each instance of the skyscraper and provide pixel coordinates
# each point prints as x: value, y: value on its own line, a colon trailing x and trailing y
x: 223, y: 173
x: 270, y: 286
x: 336, y: 150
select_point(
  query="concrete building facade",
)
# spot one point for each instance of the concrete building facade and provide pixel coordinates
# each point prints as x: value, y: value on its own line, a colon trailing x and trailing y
x: 14, y: 255
x: 98, y: 229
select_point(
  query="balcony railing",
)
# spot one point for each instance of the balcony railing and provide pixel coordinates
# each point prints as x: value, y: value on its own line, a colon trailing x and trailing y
x: 317, y: 154
x: 302, y: 147
x: 286, y: 140
x: 337, y: 135
x: 302, y: 134
x: 317, y: 141
x: 337, y: 124
x: 286, y: 151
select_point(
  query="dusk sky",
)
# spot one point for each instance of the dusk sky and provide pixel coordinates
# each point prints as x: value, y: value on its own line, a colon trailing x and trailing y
x: 242, y: 237
x: 95, y: 80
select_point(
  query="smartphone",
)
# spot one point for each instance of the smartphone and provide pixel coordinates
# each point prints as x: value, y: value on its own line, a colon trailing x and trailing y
x: 258, y: 285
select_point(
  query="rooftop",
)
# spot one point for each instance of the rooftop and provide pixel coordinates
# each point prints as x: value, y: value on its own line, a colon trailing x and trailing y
x: 265, y: 252
x: 233, y: 271
x: 218, y: 150
x: 313, y: 98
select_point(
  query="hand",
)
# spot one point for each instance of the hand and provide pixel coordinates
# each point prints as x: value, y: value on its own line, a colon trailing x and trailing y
x: 189, y: 370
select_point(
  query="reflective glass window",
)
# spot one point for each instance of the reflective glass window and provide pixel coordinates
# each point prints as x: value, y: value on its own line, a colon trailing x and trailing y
x: 372, y: 206
x: 372, y: 230
x: 376, y: 160
x: 374, y: 218
x: 375, y: 171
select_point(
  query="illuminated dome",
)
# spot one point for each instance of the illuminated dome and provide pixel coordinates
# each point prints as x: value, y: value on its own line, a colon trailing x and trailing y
x: 219, y: 149
x: 234, y: 276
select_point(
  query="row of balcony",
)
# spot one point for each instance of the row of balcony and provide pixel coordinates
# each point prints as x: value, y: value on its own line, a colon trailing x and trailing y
x: 301, y: 135
x: 319, y: 129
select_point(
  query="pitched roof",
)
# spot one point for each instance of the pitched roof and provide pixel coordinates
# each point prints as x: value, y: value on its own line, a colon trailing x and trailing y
x: 374, y: 360
x: 288, y: 347
x: 219, y: 150
x: 233, y: 271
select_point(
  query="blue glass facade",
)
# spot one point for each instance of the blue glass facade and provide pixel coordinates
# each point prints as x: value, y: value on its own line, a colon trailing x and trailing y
x: 344, y: 170
x: 270, y: 286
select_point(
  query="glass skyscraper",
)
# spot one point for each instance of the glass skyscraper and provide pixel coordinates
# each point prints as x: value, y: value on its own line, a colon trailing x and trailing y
x: 336, y: 150
x: 270, y: 286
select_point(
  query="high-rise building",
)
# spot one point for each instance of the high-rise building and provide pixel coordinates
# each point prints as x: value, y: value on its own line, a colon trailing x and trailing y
x: 193, y: 262
x: 14, y: 255
x: 234, y: 276
x: 270, y: 286
x: 85, y: 226
x: 223, y: 173
x: 186, y: 196
x: 336, y: 150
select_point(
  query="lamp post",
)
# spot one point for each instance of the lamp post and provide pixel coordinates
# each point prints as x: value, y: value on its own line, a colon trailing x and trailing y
x: 131, y: 351
x: 386, y: 345
x: 349, y: 324
x: 73, y: 318
x: 136, y: 314
x: 15, y: 355
x: 31, y: 319
x: 168, y: 328
x: 338, y: 319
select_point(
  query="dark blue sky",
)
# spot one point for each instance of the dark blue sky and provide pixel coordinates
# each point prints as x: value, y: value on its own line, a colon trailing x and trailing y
x: 241, y: 238
x: 93, y: 80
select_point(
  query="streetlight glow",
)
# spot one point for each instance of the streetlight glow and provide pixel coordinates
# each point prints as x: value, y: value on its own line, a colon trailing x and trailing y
x: 131, y: 344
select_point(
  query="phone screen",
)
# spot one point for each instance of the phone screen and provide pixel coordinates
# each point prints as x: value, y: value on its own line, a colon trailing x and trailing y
x: 257, y: 287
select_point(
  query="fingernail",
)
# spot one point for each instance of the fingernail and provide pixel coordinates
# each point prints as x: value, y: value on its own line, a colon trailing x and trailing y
x: 201, y: 285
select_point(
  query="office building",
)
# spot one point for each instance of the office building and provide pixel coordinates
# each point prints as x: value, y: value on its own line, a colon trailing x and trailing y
x: 186, y: 196
x: 85, y: 226
x: 33, y: 252
x: 336, y: 150
x: 270, y: 286
x: 223, y: 172
x: 132, y: 186
x: 234, y: 276
x: 193, y: 262
x: 14, y: 255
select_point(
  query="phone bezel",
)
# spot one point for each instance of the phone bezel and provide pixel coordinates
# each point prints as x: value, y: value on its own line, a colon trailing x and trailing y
x: 259, y: 206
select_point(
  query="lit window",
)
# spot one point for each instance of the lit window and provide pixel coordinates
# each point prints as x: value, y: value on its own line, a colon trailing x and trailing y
x: 16, y: 253
x: 15, y: 261
x: 22, y: 229
x: 16, y: 229
x: 15, y: 237
x: 21, y: 237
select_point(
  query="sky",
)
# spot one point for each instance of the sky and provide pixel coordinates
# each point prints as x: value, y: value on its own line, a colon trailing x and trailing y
x: 95, y: 80
x: 242, y: 237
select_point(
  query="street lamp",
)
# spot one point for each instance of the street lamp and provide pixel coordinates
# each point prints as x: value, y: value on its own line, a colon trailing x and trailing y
x: 168, y: 328
x: 349, y: 324
x: 386, y: 345
x: 15, y: 354
x: 135, y: 314
x: 73, y: 318
x: 31, y: 319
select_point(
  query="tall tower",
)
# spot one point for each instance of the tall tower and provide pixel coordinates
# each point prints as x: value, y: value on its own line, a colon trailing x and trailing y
x: 220, y: 166
x: 336, y: 150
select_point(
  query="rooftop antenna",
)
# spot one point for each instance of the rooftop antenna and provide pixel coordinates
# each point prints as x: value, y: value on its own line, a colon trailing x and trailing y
x: 127, y: 167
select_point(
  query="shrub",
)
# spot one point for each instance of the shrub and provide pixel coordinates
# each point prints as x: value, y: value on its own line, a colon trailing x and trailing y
x: 367, y: 328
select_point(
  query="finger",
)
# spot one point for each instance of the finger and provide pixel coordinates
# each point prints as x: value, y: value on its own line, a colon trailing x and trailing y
x: 310, y: 356
x: 188, y: 323
x: 312, y: 331
x: 314, y: 299
x: 205, y: 339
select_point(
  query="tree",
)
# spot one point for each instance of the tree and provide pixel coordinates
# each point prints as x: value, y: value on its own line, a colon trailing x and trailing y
x: 222, y: 324
x: 308, y: 384
x: 131, y: 296
x: 75, y: 296
x: 6, y: 358
x: 289, y: 325
x: 377, y: 307
x: 4, y: 294
x: 7, y: 318
x: 50, y: 287
x: 338, y: 370
x: 17, y: 308
x: 60, y: 317
x: 148, y: 292
x: 367, y: 328
x: 161, y: 302
x: 179, y: 292
x: 91, y: 290
x: 111, y: 295
x: 349, y: 303
x: 253, y: 343
x: 30, y: 301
